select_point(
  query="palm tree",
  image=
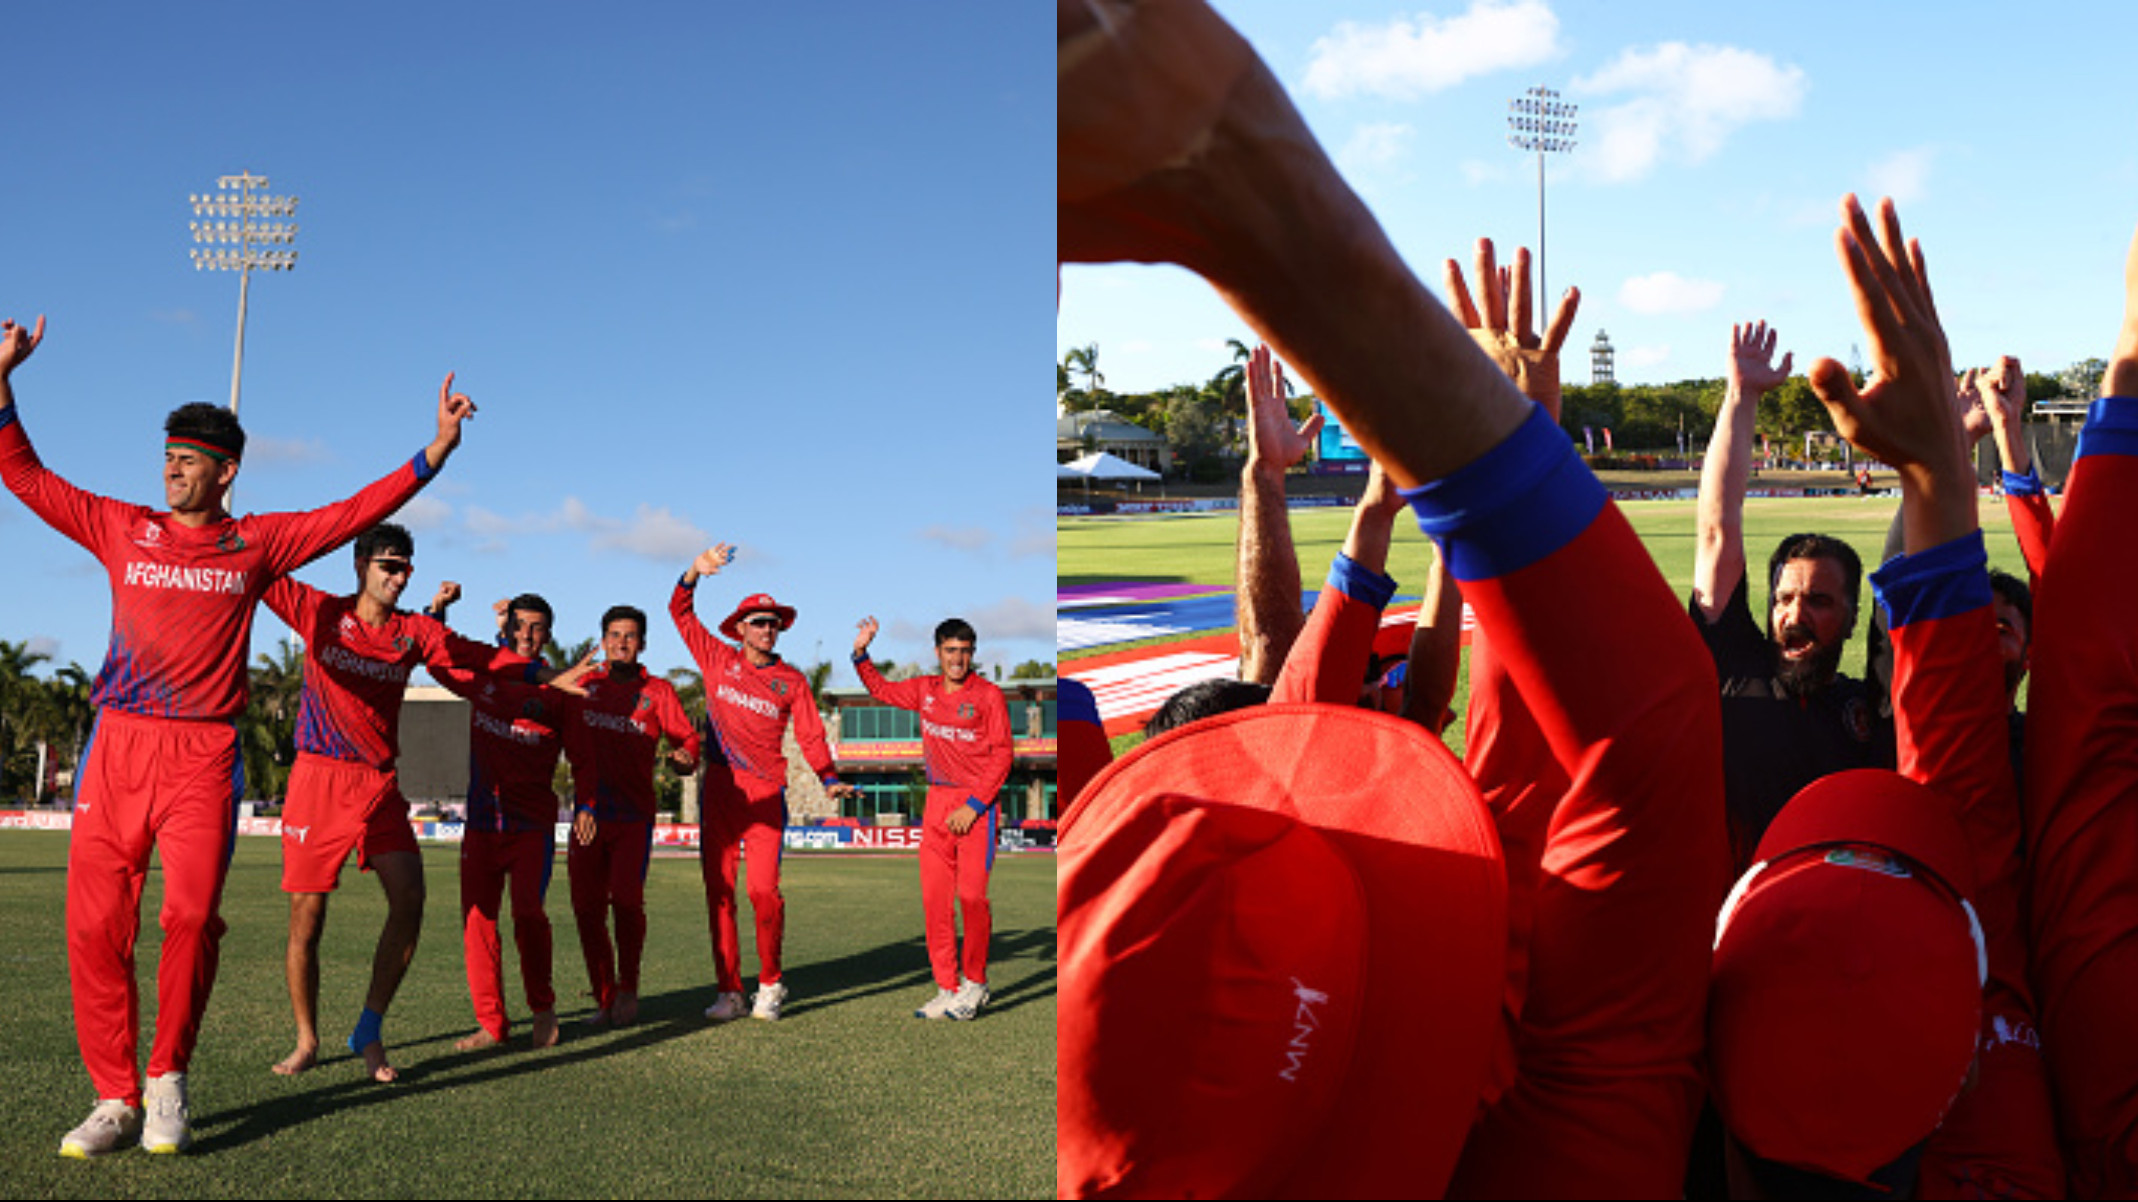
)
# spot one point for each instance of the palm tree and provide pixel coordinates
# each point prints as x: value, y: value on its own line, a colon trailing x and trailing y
x: 267, y: 730
x: 22, y: 703
x: 1083, y: 360
x: 562, y: 655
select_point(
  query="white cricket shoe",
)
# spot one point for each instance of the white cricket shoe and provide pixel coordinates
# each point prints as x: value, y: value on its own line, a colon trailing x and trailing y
x: 726, y: 1008
x: 966, y: 1003
x: 769, y: 999
x: 938, y: 1006
x: 111, y: 1126
x: 166, y: 1128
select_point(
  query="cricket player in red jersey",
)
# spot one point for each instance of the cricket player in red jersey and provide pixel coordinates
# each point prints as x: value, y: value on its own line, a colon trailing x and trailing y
x: 611, y: 737
x: 162, y: 774
x: 343, y: 794
x: 515, y: 735
x: 965, y: 745
x: 750, y: 694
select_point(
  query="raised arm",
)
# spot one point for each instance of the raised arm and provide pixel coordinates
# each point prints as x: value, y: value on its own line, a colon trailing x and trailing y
x: 905, y: 694
x: 2004, y: 393
x: 683, y: 607
x: 67, y: 509
x: 296, y: 539
x: 1719, y: 536
x: 1266, y: 601
x: 1328, y: 663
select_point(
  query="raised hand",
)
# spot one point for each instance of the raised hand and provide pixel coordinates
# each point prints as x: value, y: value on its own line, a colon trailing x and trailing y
x: 711, y: 560
x: 2003, y: 389
x: 1506, y: 328
x: 1907, y: 415
x: 1272, y: 440
x: 1752, y: 358
x: 1967, y: 402
x: 454, y: 408
x: 864, y: 634
x: 448, y: 592
x: 16, y: 343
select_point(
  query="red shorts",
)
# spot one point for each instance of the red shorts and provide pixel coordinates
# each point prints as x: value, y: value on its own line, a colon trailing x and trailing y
x: 335, y: 807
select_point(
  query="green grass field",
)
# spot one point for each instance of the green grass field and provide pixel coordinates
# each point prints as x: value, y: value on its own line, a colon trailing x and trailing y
x: 846, y: 1096
x: 1199, y: 549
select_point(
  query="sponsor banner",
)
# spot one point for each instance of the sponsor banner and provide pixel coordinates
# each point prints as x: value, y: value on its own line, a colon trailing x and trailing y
x: 1073, y: 511
x: 878, y: 751
x: 36, y: 820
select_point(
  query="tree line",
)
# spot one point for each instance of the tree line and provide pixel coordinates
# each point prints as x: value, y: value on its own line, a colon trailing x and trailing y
x: 1199, y: 420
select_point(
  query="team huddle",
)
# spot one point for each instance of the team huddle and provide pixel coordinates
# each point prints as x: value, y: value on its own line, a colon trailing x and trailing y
x: 162, y: 773
x: 1729, y: 924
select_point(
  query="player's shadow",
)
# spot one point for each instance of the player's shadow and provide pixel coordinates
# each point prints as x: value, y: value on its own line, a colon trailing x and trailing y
x: 901, y: 967
x: 662, y: 1018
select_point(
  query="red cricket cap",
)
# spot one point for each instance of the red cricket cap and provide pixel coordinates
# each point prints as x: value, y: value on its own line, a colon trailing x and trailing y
x: 756, y: 603
x: 1846, y: 994
x: 1282, y: 937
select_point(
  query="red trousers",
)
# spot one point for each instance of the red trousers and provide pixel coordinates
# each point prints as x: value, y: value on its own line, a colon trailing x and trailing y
x: 954, y: 870
x: 148, y: 785
x: 486, y: 859
x: 742, y: 813
x: 610, y: 873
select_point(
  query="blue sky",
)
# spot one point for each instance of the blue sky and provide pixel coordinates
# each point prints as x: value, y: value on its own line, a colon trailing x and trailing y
x: 1715, y: 144
x: 762, y: 274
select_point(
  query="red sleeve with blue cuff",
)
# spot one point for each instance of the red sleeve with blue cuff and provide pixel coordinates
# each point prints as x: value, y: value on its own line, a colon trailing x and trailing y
x: 2082, y: 804
x: 1949, y: 713
x: 2033, y: 521
x: 1636, y: 860
x: 1329, y: 659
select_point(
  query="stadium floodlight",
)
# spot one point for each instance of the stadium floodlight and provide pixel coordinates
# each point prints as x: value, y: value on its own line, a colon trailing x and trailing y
x: 240, y: 245
x: 1538, y: 120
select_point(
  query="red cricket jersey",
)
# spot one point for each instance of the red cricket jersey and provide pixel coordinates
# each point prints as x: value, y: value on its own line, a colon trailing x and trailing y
x: 355, y: 674
x: 515, y: 734
x: 749, y: 707
x: 611, y: 735
x: 182, y: 599
x: 965, y: 732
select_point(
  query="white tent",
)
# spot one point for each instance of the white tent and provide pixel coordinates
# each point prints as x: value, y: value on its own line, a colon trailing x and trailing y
x: 1101, y: 466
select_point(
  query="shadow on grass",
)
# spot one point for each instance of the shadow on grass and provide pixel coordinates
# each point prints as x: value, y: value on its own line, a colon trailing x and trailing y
x: 899, y: 967
x: 231, y: 1129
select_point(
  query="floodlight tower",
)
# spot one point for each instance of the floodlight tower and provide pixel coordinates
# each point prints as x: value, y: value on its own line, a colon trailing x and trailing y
x: 250, y: 233
x: 1538, y: 120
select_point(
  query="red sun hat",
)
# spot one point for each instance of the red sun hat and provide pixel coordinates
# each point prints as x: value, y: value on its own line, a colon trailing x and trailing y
x: 1846, y: 994
x: 1282, y: 936
x: 756, y: 603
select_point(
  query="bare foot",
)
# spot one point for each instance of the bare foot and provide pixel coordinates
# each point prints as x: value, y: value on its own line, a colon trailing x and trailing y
x: 375, y: 1063
x: 306, y: 1055
x: 476, y: 1042
x: 624, y: 1010
x: 544, y: 1029
x: 599, y: 1018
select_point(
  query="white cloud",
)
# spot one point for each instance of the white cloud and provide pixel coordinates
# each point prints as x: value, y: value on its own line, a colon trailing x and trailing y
x: 1411, y: 56
x: 1035, y: 534
x: 1668, y: 292
x: 1682, y: 103
x: 1477, y: 171
x: 651, y: 533
x: 1373, y: 147
x: 424, y: 513
x: 1903, y: 175
x: 42, y: 644
x: 1013, y: 618
x: 958, y: 538
x: 264, y: 448
x: 1645, y: 356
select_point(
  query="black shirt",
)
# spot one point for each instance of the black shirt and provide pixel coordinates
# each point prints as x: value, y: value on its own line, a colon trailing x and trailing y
x: 1774, y: 744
